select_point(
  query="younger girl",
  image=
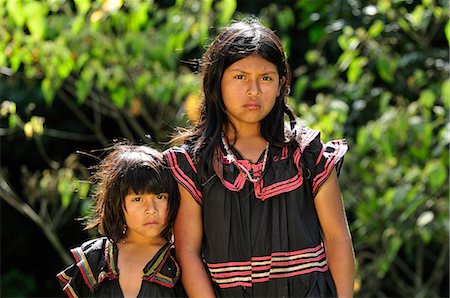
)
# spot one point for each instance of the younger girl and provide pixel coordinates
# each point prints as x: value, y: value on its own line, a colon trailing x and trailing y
x: 260, y: 203
x: 135, y: 206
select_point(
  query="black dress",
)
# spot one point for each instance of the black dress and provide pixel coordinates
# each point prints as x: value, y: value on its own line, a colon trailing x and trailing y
x: 263, y: 239
x: 95, y: 272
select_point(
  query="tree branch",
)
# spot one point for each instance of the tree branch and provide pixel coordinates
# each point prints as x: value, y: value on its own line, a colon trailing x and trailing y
x: 10, y: 197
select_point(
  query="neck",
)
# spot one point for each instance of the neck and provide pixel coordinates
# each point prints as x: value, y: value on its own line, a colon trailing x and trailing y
x: 240, y: 133
x: 129, y: 240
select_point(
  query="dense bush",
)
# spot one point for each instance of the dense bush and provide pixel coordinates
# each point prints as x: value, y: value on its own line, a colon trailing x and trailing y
x: 77, y: 74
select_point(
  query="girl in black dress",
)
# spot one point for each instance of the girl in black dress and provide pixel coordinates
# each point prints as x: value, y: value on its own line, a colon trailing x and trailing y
x: 135, y: 205
x: 261, y: 213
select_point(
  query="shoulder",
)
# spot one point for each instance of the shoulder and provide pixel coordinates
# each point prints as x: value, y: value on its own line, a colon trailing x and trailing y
x: 90, y: 258
x: 92, y: 248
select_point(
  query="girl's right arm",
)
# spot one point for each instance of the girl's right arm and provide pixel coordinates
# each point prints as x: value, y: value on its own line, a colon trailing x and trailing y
x: 188, y: 233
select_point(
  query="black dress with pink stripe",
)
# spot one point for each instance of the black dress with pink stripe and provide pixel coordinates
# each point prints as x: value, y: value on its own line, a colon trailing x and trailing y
x: 262, y: 239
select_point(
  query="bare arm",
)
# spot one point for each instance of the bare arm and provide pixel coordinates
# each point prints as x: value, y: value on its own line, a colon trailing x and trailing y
x: 336, y: 236
x: 188, y: 231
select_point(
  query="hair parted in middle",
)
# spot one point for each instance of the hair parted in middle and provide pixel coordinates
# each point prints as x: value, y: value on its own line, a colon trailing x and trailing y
x: 235, y: 42
x: 129, y: 169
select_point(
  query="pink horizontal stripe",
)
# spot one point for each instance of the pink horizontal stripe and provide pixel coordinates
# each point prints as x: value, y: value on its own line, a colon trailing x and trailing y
x: 265, y: 258
x: 290, y: 274
x: 230, y: 264
x: 235, y: 284
x: 288, y: 263
x: 231, y: 274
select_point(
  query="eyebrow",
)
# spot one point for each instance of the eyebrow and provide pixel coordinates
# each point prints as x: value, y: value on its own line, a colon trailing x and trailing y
x: 244, y: 72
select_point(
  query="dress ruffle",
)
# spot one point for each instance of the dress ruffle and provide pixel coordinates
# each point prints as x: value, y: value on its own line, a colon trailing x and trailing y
x: 319, y: 160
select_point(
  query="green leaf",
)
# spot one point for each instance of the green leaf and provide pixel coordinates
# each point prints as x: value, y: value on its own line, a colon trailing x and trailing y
x: 36, y: 13
x: 436, y: 173
x: 386, y: 69
x: 48, y: 90
x: 84, y: 84
x: 119, y: 97
x: 82, y: 6
x: 138, y: 17
x: 445, y: 89
x: 427, y: 98
x: 376, y: 28
x: 226, y: 9
x: 394, y: 245
x: 16, y: 11
x: 447, y: 32
x: 356, y: 69
x: 300, y: 87
x: 312, y: 56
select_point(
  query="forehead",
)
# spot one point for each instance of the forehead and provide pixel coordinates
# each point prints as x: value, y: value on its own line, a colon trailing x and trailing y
x: 253, y: 63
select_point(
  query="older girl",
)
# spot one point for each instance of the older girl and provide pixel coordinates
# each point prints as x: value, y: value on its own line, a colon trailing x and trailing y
x: 261, y: 213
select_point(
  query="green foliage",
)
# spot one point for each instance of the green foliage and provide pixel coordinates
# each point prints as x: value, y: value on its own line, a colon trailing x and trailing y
x: 114, y: 64
x: 377, y: 73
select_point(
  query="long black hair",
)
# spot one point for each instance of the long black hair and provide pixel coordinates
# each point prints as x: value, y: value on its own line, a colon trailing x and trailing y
x: 233, y: 43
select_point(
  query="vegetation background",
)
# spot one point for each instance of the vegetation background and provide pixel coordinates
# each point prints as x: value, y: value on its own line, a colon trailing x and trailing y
x: 76, y: 75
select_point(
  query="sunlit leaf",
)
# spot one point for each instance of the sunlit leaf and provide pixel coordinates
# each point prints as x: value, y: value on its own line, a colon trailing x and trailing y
x: 82, y: 6
x: 427, y: 98
x: 376, y: 28
x: 445, y: 89
x: 35, y: 20
x: 436, y: 173
x: 447, y: 31
x: 16, y: 11
x: 355, y: 69
x: 226, y: 9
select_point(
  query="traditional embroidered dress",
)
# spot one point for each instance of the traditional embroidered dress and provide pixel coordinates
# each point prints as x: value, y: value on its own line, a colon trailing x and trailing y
x: 95, y: 273
x: 263, y: 238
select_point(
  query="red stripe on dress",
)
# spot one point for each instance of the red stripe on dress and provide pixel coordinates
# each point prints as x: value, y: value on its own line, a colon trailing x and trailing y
x: 335, y: 156
x: 238, y: 184
x: 320, y: 155
x: 265, y: 258
x: 62, y: 278
x: 77, y: 256
x: 290, y: 274
x: 231, y: 274
x: 264, y: 193
x: 70, y: 292
x: 229, y: 264
x: 235, y: 284
x: 181, y: 177
x: 288, y: 263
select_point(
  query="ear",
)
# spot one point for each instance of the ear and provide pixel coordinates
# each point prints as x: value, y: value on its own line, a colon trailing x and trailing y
x: 280, y: 86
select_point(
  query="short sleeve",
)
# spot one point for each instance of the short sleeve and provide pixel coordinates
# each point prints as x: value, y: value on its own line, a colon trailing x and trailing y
x: 79, y: 279
x: 72, y: 282
x: 321, y: 158
x: 183, y: 170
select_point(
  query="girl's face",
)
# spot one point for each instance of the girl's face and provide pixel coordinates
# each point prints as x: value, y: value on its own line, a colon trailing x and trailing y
x: 145, y: 215
x: 250, y: 87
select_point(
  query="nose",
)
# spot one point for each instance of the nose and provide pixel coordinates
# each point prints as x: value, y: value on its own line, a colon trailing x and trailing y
x: 151, y: 208
x: 254, y: 89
